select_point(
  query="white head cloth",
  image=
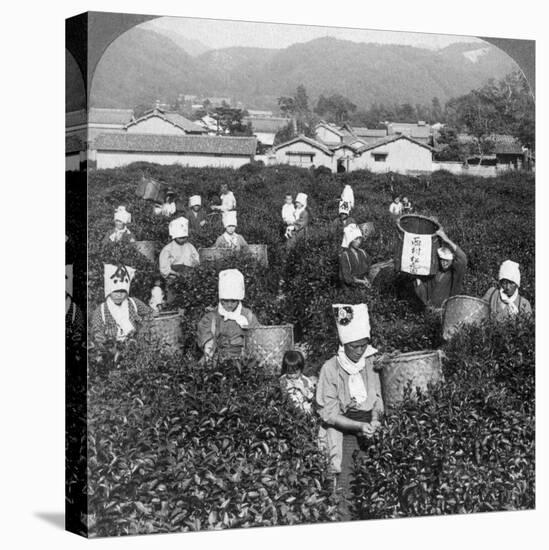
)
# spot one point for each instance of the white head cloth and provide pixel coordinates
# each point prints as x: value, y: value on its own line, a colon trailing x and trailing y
x: 195, y: 200
x: 117, y: 277
x: 231, y: 285
x: 179, y: 228
x: 350, y: 233
x: 344, y: 207
x: 353, y: 322
x: 122, y: 215
x: 229, y: 218
x: 510, y: 270
x: 444, y: 253
x: 301, y: 199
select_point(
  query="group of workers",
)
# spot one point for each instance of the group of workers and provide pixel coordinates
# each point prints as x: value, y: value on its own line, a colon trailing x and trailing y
x: 346, y: 395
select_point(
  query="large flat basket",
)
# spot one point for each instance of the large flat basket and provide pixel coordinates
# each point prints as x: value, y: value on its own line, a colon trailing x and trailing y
x: 459, y: 311
x: 268, y: 344
x: 418, y: 368
x: 256, y: 251
x: 165, y: 329
x: 147, y: 248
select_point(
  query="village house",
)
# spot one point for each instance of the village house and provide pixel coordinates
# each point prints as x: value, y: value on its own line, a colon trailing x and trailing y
x: 265, y: 128
x: 116, y: 150
x: 305, y: 152
x: 395, y: 153
x: 162, y: 122
x: 87, y: 125
x: 419, y: 131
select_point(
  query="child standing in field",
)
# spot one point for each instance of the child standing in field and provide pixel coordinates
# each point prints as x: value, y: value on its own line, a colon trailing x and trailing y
x: 299, y: 388
x: 288, y: 215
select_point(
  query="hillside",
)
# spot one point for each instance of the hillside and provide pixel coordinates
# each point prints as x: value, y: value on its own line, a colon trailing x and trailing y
x: 142, y: 66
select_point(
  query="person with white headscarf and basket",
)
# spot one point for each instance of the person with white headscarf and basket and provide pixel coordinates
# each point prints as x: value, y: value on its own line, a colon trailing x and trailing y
x: 222, y: 331
x: 354, y: 263
x: 348, y: 394
x: 302, y: 219
x: 505, y: 300
x: 119, y: 318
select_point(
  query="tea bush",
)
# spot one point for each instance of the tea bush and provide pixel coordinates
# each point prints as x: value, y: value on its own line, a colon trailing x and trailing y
x: 175, y: 445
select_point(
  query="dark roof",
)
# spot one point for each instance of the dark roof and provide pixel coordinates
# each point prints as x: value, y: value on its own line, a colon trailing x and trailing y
x: 173, y: 118
x: 73, y: 144
x: 390, y: 139
x: 410, y: 129
x: 369, y: 132
x: 309, y: 141
x: 110, y: 116
x: 269, y: 125
x: 214, y: 145
x: 76, y: 118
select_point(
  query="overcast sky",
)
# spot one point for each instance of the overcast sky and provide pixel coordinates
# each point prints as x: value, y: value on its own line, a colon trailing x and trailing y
x: 216, y: 34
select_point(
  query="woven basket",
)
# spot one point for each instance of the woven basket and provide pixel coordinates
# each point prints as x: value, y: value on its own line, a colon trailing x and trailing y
x: 149, y: 189
x: 379, y: 267
x: 417, y: 367
x: 147, y: 248
x: 458, y: 311
x: 256, y: 251
x: 419, y: 225
x: 368, y: 229
x: 166, y: 329
x: 268, y: 345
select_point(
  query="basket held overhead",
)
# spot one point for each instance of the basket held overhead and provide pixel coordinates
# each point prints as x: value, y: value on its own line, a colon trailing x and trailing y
x: 418, y: 245
x: 459, y: 311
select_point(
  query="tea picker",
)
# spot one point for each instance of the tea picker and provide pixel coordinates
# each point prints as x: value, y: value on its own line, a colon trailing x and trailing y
x: 354, y: 263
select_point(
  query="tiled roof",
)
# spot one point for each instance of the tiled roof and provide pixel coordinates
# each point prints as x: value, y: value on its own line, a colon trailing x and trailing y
x: 369, y: 132
x: 269, y: 125
x: 145, y: 143
x: 173, y: 118
x: 309, y: 141
x: 330, y: 127
x: 409, y: 129
x: 75, y: 118
x: 110, y: 116
x: 390, y: 139
x: 73, y: 144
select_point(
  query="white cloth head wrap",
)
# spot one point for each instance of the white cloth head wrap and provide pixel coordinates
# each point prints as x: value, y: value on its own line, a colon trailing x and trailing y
x: 229, y: 218
x: 231, y: 285
x: 350, y: 233
x: 179, y: 228
x: 510, y: 270
x: 301, y: 199
x: 444, y: 253
x: 195, y: 200
x: 353, y: 322
x: 344, y: 207
x: 122, y: 215
x: 117, y: 277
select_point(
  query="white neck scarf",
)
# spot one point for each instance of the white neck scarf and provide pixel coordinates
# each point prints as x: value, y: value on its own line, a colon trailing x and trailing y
x: 117, y: 234
x: 121, y: 316
x: 235, y: 315
x: 357, y: 389
x: 509, y: 301
x: 231, y: 239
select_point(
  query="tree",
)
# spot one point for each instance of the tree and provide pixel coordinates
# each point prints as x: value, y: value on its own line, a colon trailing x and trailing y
x: 436, y: 110
x: 285, y: 134
x: 301, y: 100
x: 335, y: 108
x: 229, y: 121
x: 450, y: 146
x: 287, y: 105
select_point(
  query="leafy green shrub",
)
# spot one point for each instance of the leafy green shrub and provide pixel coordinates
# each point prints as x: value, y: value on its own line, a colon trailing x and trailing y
x: 466, y: 446
x: 177, y: 446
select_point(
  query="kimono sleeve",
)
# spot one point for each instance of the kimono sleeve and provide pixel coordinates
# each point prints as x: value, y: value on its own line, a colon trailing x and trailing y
x: 220, y: 242
x: 164, y: 262
x: 345, y: 272
x: 243, y: 243
x: 98, y: 328
x: 204, y: 329
x: 327, y: 396
x: 194, y: 258
x: 144, y: 311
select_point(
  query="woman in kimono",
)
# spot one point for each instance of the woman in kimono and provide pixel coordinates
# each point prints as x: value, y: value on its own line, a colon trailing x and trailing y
x: 196, y: 216
x: 179, y: 254
x: 230, y: 239
x: 301, y: 222
x: 119, y: 317
x: 120, y: 233
x: 354, y: 263
x: 348, y: 394
x: 505, y: 300
x: 222, y: 331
